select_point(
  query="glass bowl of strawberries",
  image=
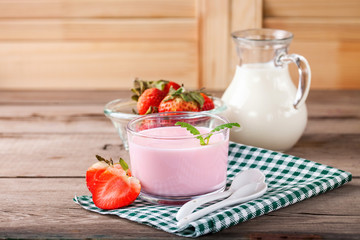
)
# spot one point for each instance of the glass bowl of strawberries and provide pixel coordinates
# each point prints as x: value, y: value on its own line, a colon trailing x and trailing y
x: 156, y: 97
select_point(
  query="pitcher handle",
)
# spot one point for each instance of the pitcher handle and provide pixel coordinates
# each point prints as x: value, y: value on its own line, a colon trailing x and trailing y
x: 304, y: 75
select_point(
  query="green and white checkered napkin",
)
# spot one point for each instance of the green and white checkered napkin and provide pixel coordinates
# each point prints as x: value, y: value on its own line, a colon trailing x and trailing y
x: 290, y: 180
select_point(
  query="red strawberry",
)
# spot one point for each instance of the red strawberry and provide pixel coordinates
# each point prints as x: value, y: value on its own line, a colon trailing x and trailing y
x: 98, y: 168
x: 177, y: 104
x: 149, y: 101
x: 94, y: 172
x: 170, y: 84
x: 180, y: 100
x: 111, y: 184
x: 208, y: 103
x: 165, y: 85
x: 140, y: 86
x: 113, y: 189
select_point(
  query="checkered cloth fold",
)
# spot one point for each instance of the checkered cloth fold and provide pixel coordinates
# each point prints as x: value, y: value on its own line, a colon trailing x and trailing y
x: 290, y: 180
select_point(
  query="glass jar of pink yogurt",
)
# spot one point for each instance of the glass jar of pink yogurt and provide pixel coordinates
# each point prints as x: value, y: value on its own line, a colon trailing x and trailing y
x: 171, y: 164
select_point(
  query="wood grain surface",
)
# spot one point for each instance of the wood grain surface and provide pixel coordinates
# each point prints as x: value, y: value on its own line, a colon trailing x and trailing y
x: 49, y: 139
x: 326, y: 32
x: 18, y: 9
x: 97, y: 44
x: 44, y: 209
x: 105, y: 44
x: 98, y: 29
x: 310, y: 8
x: 80, y: 65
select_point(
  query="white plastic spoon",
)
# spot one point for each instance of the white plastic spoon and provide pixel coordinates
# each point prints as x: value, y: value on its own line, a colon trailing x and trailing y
x: 244, y: 194
x: 241, y: 179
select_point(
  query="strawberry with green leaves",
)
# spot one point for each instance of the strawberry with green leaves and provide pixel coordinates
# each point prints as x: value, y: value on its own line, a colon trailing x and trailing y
x: 149, y: 101
x: 181, y: 100
x: 99, y: 167
x: 167, y: 85
x: 111, y: 185
x: 208, y: 103
x: 140, y: 86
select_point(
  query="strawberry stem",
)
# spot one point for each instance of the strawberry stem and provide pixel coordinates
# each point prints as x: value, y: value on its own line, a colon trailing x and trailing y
x: 101, y: 159
x: 123, y: 164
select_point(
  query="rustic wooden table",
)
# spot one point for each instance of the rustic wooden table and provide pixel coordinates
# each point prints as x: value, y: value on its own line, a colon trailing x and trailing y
x: 49, y: 139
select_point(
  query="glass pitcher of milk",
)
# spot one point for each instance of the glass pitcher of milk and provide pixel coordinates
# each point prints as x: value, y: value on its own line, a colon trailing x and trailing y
x: 262, y: 97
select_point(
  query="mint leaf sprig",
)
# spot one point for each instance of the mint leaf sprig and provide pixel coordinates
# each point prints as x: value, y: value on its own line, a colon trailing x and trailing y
x: 205, y: 141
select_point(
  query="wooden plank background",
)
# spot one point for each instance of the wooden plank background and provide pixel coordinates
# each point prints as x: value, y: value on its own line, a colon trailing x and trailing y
x: 100, y: 65
x: 327, y: 33
x: 96, y: 8
x: 105, y: 44
x: 96, y: 44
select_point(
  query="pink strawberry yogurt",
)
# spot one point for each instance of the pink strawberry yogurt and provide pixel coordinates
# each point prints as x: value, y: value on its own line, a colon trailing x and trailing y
x: 169, y: 161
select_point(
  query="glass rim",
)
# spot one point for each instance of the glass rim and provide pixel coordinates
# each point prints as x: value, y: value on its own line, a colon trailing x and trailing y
x: 263, y: 35
x: 111, y: 112
x: 170, y: 114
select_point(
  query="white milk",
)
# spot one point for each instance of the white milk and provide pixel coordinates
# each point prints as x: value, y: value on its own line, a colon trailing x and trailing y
x: 260, y: 98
